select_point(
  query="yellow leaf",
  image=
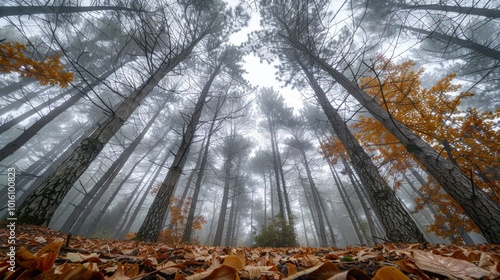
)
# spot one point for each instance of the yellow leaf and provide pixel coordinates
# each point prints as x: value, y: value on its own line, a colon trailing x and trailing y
x: 390, y: 273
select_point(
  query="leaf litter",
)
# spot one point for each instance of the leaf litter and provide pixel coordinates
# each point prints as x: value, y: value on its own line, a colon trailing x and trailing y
x: 42, y: 253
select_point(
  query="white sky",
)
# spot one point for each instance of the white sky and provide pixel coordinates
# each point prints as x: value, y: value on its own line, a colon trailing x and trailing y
x: 259, y: 73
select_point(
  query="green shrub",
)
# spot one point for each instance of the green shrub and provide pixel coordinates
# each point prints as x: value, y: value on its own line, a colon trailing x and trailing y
x: 278, y: 233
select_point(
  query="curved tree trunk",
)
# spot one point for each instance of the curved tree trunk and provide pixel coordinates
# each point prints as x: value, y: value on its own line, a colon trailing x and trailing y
x: 41, y: 204
x: 398, y: 224
x: 483, y: 210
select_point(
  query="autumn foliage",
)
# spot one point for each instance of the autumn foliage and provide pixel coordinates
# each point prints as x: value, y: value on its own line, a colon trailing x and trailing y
x: 467, y: 137
x: 178, y: 218
x: 13, y: 59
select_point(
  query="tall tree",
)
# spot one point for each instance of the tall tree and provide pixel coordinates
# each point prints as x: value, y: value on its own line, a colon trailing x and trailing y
x: 224, y: 60
x: 40, y: 205
x: 299, y: 26
x: 276, y: 113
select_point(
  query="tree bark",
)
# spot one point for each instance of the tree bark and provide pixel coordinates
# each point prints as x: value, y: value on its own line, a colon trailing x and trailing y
x: 398, y: 224
x: 39, y: 207
x: 150, y: 229
x: 362, y: 200
x: 477, y: 204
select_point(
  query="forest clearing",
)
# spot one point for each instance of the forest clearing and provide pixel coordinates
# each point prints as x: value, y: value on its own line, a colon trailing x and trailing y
x: 288, y: 139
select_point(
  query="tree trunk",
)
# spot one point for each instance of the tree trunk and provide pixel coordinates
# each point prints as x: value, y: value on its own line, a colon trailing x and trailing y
x: 477, y: 204
x: 90, y: 200
x: 188, y: 232
x: 150, y: 229
x: 362, y: 200
x: 286, y: 200
x: 399, y: 225
x: 223, y: 209
x: 316, y: 199
x: 41, y: 204
x: 126, y: 225
x: 54, y: 165
x: 276, y: 164
x: 351, y: 211
x: 27, y: 134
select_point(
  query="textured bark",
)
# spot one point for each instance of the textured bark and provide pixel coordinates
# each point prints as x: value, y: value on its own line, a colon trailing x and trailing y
x: 54, y: 164
x: 39, y: 206
x: 90, y: 200
x: 127, y: 223
x: 398, y: 224
x: 151, y: 227
x: 27, y: 134
x: 477, y: 204
x: 362, y: 200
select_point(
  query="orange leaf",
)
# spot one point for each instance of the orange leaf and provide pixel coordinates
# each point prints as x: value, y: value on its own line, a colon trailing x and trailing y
x: 389, y: 273
x: 43, y: 260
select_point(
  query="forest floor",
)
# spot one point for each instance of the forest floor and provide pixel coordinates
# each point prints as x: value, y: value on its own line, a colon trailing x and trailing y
x: 43, y: 253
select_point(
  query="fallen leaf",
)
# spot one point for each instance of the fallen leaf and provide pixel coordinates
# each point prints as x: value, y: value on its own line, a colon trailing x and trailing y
x: 351, y: 274
x: 78, y: 257
x: 234, y: 262
x: 322, y: 271
x: 389, y: 273
x: 42, y: 261
x: 447, y: 266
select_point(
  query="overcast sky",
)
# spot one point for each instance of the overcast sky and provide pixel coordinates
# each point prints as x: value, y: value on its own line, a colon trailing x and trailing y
x: 261, y: 73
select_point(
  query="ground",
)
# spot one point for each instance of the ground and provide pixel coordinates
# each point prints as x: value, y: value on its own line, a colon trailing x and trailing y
x: 42, y: 253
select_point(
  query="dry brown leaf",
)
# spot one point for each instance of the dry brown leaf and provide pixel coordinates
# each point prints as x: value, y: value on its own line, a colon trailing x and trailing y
x: 291, y: 268
x: 253, y: 272
x: 78, y: 272
x: 78, y: 257
x: 389, y: 273
x: 409, y: 266
x: 223, y: 272
x: 447, y: 266
x: 322, y: 271
x: 234, y: 262
x: 42, y: 261
x: 351, y: 274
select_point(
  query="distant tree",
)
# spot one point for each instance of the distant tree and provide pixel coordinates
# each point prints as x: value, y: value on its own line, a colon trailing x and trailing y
x: 278, y: 233
x: 276, y: 114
